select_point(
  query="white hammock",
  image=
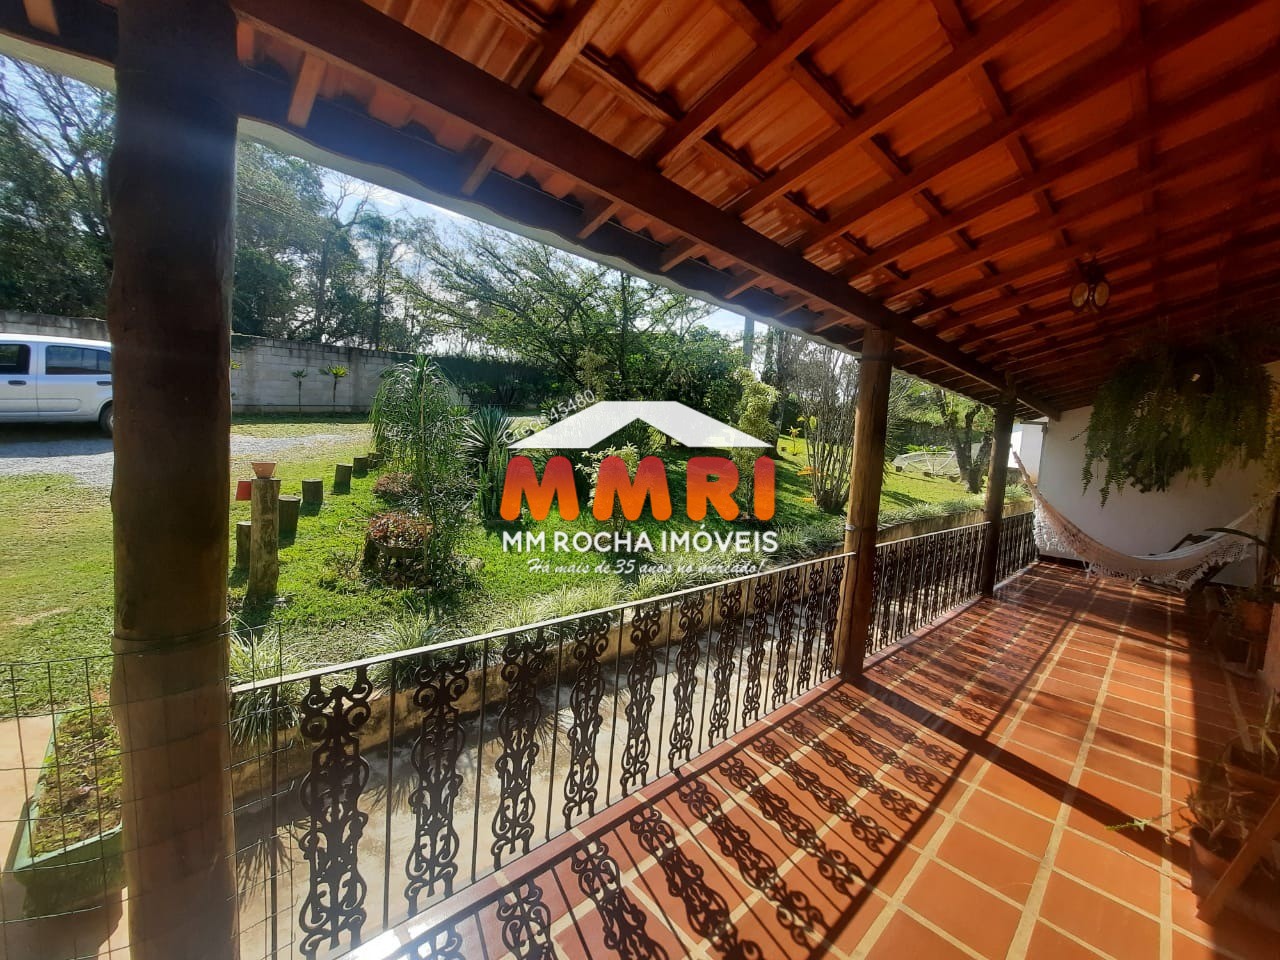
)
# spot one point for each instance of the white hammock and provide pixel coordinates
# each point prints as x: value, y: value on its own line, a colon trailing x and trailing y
x: 1181, y: 568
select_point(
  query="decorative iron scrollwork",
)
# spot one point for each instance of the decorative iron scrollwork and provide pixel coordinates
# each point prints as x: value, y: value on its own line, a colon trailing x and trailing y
x: 831, y: 608
x: 681, y: 741
x: 726, y: 660
x: 526, y: 922
x: 812, y: 623
x: 524, y: 659
x: 433, y: 856
x: 751, y: 692
x: 580, y: 786
x: 786, y: 629
x: 330, y: 793
x: 441, y: 943
x: 623, y: 920
x: 640, y: 676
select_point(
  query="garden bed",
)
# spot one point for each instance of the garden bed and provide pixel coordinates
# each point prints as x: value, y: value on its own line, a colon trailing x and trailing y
x: 70, y: 851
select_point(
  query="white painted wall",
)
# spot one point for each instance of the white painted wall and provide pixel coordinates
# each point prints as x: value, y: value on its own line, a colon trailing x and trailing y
x: 1027, y: 441
x: 1139, y: 523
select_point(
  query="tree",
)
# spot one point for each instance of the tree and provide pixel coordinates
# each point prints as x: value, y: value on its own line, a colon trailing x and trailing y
x: 827, y: 387
x: 591, y: 326
x: 967, y: 423
x: 55, y: 241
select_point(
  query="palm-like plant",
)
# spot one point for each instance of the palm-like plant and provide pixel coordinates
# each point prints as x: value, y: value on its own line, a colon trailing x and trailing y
x: 337, y: 372
x: 419, y: 429
x: 299, y: 376
x: 487, y: 440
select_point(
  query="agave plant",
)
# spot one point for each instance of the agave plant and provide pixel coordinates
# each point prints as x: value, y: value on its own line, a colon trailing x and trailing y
x: 487, y: 440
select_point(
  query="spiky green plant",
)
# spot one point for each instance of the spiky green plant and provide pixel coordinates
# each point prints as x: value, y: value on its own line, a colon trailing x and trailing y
x: 487, y: 439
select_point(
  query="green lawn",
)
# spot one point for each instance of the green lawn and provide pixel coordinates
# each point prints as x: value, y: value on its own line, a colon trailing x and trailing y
x: 55, y: 561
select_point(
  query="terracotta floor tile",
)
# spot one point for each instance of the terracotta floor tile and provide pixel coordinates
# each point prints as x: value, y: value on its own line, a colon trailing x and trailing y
x: 967, y: 912
x: 993, y: 815
x: 1104, y: 866
x: 1125, y: 769
x: 904, y: 937
x: 810, y: 821
x: 1004, y: 870
x: 1048, y: 944
x: 1100, y: 922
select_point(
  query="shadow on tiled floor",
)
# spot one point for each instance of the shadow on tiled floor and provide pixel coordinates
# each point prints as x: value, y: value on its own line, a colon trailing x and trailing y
x: 975, y: 795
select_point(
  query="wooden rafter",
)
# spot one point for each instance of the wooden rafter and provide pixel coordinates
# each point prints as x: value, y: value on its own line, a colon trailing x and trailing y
x: 41, y: 15
x: 984, y: 43
x: 1078, y: 86
x: 762, y: 65
x: 385, y: 51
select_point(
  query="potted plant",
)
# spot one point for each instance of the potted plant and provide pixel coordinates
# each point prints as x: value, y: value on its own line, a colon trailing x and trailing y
x: 1219, y: 823
x: 1253, y: 772
x: 1179, y: 408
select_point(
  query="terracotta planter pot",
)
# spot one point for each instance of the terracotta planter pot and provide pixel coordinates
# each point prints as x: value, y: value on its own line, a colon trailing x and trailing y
x: 1258, y: 898
x: 263, y: 469
x: 1255, y: 617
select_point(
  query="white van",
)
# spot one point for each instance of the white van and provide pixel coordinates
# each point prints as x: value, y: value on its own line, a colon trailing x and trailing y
x: 51, y: 379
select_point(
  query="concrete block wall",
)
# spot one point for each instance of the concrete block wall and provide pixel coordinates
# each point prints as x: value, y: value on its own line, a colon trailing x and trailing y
x: 45, y: 325
x: 264, y: 383
x: 262, y: 372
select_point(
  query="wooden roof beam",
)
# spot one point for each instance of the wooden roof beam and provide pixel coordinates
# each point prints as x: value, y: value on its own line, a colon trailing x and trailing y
x: 1181, y: 160
x: 1266, y: 64
x: 774, y: 52
x: 1110, y: 239
x: 354, y: 35
x: 1074, y: 89
x: 985, y: 42
x: 305, y: 89
x: 595, y: 214
x: 42, y: 15
x: 1121, y: 289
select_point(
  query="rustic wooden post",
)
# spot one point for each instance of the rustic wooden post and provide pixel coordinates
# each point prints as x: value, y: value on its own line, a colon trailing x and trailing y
x: 360, y: 466
x: 171, y: 182
x: 995, y: 496
x: 870, y: 427
x: 289, y: 509
x: 264, y: 539
x: 243, y: 528
x: 342, y: 478
x: 313, y: 492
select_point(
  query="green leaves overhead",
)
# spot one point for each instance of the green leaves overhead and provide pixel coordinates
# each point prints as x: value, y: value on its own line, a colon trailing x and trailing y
x: 1174, y: 409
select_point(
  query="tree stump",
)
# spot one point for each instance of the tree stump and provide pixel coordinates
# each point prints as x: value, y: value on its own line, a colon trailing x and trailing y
x: 374, y: 458
x: 360, y: 466
x: 289, y: 509
x: 264, y: 539
x: 342, y: 478
x: 313, y: 492
x: 242, y: 543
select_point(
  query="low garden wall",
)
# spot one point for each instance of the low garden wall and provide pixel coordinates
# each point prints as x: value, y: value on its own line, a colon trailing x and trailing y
x: 262, y: 379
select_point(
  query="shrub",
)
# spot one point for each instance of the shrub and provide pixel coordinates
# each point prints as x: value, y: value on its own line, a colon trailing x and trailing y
x: 395, y: 487
x: 419, y: 428
x: 488, y: 439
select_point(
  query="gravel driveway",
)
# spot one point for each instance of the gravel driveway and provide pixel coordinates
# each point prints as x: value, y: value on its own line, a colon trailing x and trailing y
x: 89, y: 458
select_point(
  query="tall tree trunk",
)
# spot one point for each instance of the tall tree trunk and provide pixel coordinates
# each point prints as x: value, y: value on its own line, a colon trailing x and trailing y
x: 172, y: 182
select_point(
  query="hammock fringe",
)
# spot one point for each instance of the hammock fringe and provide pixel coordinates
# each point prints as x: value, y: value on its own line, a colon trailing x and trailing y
x: 1179, y: 569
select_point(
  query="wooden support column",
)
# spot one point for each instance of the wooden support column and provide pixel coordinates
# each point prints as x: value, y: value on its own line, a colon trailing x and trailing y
x: 995, y: 496
x: 870, y: 426
x: 171, y: 182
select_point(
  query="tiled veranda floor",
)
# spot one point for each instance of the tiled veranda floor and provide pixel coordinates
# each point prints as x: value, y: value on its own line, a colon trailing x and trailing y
x: 967, y: 799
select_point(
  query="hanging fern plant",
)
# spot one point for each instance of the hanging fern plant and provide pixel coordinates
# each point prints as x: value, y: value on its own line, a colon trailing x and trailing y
x: 1172, y: 410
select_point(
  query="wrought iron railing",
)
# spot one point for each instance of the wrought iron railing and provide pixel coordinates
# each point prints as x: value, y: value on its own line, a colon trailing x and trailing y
x: 918, y: 579
x: 376, y: 788
x: 1017, y: 545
